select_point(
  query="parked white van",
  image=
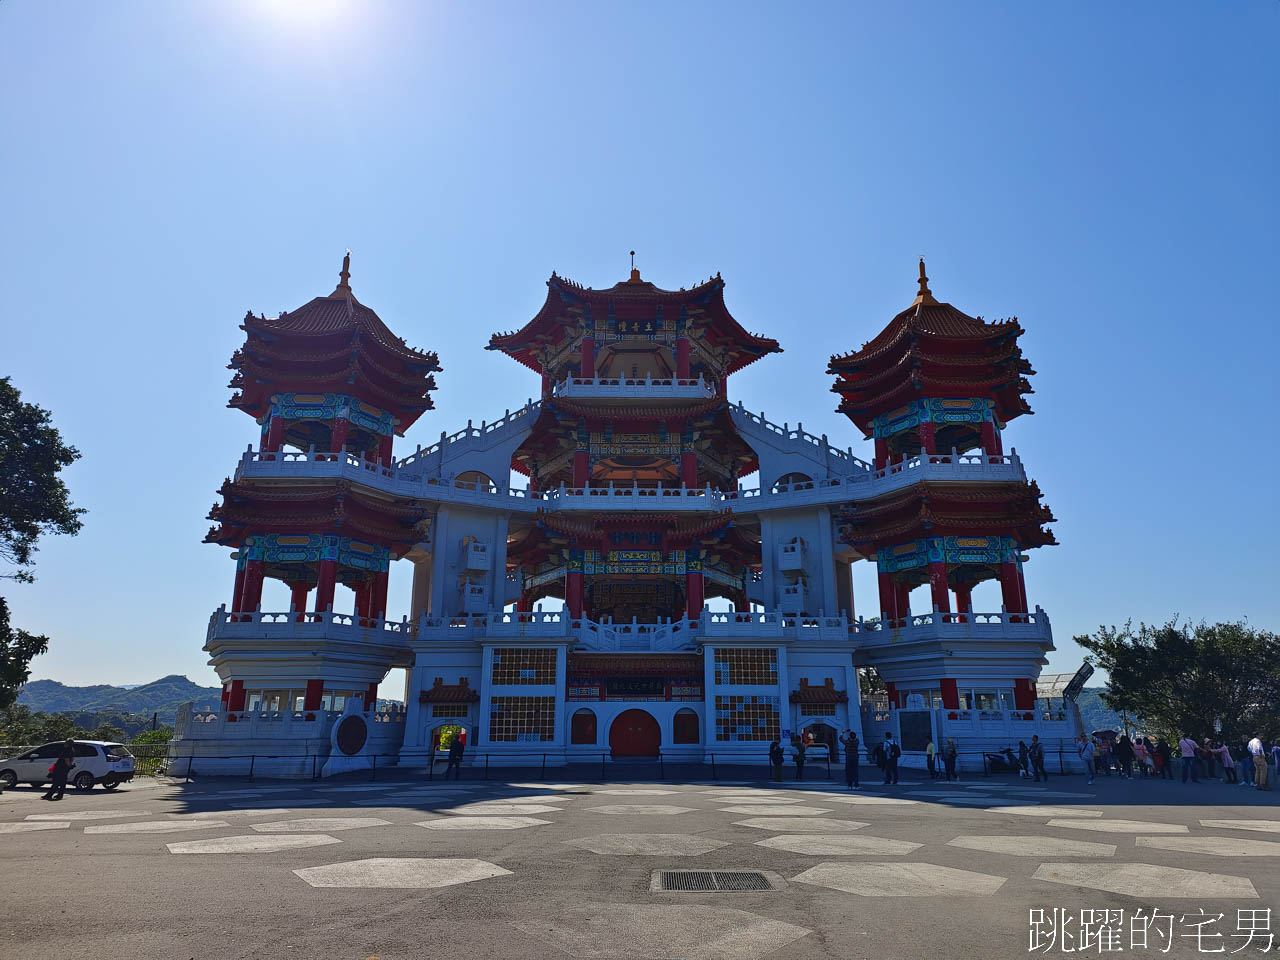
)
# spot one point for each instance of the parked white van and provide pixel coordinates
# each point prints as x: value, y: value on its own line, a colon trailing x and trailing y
x: 109, y: 764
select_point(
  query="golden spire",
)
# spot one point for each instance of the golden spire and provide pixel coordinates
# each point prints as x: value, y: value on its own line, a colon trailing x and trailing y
x: 635, y: 274
x: 924, y: 296
x: 344, y: 278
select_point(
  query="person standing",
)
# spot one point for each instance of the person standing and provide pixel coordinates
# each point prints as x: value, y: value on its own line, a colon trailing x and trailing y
x: 1023, y: 761
x: 1140, y: 756
x: 1035, y: 753
x: 931, y: 759
x: 1123, y: 753
x: 1275, y: 756
x: 800, y: 752
x: 891, y: 754
x: 849, y: 740
x: 1228, y: 764
x: 1188, y: 747
x: 1259, y: 764
x: 1104, y: 755
x: 1164, y: 759
x: 456, y: 747
x: 1084, y: 747
x: 949, y: 757
x: 776, y: 757
x: 61, y: 767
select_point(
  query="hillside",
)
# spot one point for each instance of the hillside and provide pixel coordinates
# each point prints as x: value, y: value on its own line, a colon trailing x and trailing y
x: 160, y: 696
x: 1095, y: 714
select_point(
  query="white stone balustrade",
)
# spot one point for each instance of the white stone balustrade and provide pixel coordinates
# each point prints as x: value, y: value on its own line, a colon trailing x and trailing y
x: 259, y: 625
x: 1033, y: 625
x: 634, y: 388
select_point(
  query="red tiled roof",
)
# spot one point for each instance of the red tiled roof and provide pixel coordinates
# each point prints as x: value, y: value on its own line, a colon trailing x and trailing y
x: 668, y: 665
x: 827, y: 693
x: 441, y: 692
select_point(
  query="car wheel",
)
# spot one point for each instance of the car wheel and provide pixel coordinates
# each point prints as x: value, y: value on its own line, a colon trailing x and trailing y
x: 110, y: 783
x: 9, y: 779
x: 84, y: 781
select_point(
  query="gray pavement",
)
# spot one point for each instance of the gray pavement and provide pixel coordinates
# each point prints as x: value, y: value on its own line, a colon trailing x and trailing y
x: 406, y: 868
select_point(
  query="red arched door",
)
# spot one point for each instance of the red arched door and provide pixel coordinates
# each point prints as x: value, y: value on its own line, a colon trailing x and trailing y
x: 634, y: 733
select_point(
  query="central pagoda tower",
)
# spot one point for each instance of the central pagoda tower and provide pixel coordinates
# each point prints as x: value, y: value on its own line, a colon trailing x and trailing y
x: 634, y: 388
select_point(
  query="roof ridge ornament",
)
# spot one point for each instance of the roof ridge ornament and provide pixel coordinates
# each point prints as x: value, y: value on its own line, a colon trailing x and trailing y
x: 924, y: 296
x: 344, y: 277
x: 635, y: 274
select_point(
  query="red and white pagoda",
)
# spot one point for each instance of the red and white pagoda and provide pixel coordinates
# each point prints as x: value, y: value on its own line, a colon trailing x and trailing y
x: 633, y: 599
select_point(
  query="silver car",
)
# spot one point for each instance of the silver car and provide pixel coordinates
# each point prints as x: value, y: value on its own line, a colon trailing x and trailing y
x: 97, y: 761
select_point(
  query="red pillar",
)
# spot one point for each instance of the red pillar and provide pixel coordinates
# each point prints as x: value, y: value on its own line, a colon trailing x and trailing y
x: 964, y: 600
x: 384, y: 450
x: 950, y: 695
x: 581, y: 468
x: 682, y: 358
x: 938, y: 587
x: 888, y: 597
x: 522, y: 605
x: 990, y: 438
x: 371, y: 697
x: 903, y: 591
x: 688, y: 469
x: 378, y: 596
x: 588, y: 357
x: 546, y: 383
x: 235, y: 697
x: 893, y: 695
x: 298, y: 591
x: 252, y: 596
x: 694, y: 593
x: 275, y: 435
x: 1022, y: 590
x: 226, y: 694
x: 327, y: 583
x: 338, y: 438
x: 927, y: 443
x: 315, y: 690
x: 362, y: 591
x: 1024, y: 695
x: 1011, y: 591
x: 573, y: 593
x: 882, y: 453
x: 237, y: 592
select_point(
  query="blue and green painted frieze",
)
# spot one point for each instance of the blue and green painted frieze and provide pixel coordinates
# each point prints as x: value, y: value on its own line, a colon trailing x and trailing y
x: 312, y: 548
x: 330, y: 406
x: 933, y: 410
x: 949, y: 550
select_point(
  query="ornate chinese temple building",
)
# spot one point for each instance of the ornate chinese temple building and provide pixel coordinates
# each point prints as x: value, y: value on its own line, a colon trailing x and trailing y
x: 591, y: 579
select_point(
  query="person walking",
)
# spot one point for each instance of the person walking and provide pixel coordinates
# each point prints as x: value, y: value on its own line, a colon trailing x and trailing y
x: 1164, y: 759
x: 849, y: 740
x: 1228, y: 764
x: 930, y: 759
x: 1084, y: 747
x: 949, y: 757
x: 1188, y: 747
x: 1123, y: 753
x: 1104, y: 755
x: 1259, y: 755
x: 1035, y: 753
x: 800, y: 749
x: 891, y: 754
x: 456, y: 748
x: 58, y: 772
x: 1023, y: 761
x: 776, y: 758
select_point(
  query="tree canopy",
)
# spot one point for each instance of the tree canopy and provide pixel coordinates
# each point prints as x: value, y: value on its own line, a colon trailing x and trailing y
x: 1217, y: 680
x: 33, y: 499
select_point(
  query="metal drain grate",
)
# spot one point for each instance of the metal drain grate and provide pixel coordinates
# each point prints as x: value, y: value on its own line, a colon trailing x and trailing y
x: 723, y: 881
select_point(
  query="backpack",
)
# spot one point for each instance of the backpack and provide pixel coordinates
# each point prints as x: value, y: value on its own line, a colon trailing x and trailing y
x: 894, y: 751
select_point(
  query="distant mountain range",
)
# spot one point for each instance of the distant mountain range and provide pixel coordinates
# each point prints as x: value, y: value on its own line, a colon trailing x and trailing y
x: 161, y: 696
x: 1096, y: 715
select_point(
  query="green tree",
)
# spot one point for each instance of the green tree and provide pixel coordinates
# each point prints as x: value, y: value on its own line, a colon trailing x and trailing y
x: 108, y: 732
x: 158, y: 735
x: 18, y: 725
x: 33, y: 501
x: 1217, y: 680
x: 17, y: 647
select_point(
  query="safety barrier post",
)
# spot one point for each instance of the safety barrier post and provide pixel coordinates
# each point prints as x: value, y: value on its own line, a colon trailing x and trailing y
x: 431, y: 763
x: 714, y: 776
x: 190, y: 758
x: 486, y: 766
x: 603, y: 758
x: 543, y: 774
x: 662, y: 767
x: 373, y: 770
x: 252, y: 758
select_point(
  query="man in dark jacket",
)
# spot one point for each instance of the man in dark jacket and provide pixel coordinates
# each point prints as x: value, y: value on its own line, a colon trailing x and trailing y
x: 800, y: 752
x: 1035, y: 753
x: 456, y: 747
x: 776, y: 757
x: 61, y: 767
x: 851, y: 747
x: 891, y: 754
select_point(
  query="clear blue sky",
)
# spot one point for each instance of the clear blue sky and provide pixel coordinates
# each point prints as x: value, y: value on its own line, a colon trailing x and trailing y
x: 1106, y: 172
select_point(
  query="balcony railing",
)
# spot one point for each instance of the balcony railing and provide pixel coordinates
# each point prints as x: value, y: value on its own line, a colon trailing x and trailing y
x: 634, y: 388
x: 257, y: 624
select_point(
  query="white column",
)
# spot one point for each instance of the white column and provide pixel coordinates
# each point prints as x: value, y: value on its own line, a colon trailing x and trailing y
x: 498, y: 591
x: 486, y: 672
x: 826, y: 538
x: 562, y: 665
x: 709, y: 698
x: 444, y: 590
x: 768, y: 562
x: 784, y: 688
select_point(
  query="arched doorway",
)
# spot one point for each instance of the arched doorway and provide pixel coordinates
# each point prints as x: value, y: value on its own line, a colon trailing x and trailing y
x: 634, y: 733
x: 823, y: 733
x: 686, y: 726
x: 582, y: 727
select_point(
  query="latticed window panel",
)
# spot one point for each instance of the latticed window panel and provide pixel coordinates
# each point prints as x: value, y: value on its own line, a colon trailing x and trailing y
x: 448, y: 710
x: 752, y: 666
x: 748, y: 718
x: 521, y: 665
x: 522, y: 719
x: 819, y: 709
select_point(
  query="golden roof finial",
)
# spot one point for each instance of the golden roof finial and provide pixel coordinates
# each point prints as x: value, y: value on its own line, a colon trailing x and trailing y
x: 344, y: 277
x: 635, y: 274
x: 924, y: 296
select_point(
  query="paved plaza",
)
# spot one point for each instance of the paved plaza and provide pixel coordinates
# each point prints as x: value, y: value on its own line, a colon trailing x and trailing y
x: 526, y: 868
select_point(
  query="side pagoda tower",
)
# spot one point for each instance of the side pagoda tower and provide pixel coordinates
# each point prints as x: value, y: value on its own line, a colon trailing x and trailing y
x: 329, y: 387
x: 634, y: 395
x: 938, y: 384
